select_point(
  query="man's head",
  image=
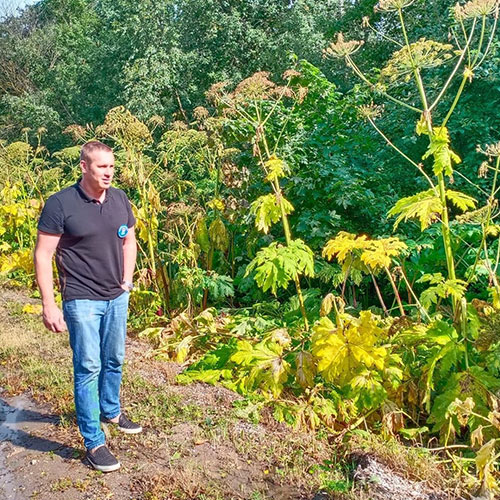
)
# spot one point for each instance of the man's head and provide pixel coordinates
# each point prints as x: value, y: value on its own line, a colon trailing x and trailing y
x: 97, y: 163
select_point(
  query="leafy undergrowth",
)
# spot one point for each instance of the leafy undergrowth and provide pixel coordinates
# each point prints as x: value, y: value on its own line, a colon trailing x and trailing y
x: 398, y: 378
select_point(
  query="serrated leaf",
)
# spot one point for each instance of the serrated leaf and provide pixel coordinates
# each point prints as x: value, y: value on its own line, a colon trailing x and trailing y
x: 268, y: 368
x: 201, y: 235
x: 275, y: 167
x: 217, y: 233
x: 183, y: 348
x: 485, y: 465
x: 443, y: 289
x: 461, y: 200
x: 425, y: 206
x: 32, y: 308
x: 439, y: 148
x: 341, y: 349
x: 276, y: 265
x: 267, y: 211
x: 378, y: 254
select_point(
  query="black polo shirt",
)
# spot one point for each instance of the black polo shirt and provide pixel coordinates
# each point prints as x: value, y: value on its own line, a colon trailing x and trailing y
x: 89, y: 256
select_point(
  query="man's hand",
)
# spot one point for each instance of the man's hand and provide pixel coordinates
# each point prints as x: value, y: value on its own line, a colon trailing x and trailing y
x: 53, y: 318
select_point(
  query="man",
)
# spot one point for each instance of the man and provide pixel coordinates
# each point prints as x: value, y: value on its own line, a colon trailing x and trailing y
x: 90, y: 227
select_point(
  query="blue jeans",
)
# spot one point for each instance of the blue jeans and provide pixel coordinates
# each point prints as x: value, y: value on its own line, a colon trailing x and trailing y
x: 97, y: 330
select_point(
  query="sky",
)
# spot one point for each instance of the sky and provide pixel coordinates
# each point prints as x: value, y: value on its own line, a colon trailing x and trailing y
x: 9, y: 7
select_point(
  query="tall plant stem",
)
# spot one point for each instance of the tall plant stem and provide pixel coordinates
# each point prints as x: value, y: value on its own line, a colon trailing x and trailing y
x: 379, y: 295
x: 463, y: 327
x: 396, y: 291
x: 455, y: 101
x: 284, y: 220
x: 445, y: 228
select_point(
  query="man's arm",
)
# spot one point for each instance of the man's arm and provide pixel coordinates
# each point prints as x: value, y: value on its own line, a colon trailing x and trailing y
x: 129, y: 255
x: 46, y: 245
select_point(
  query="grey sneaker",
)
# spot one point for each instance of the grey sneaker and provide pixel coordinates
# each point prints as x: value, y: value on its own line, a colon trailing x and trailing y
x: 102, y: 459
x: 124, y: 424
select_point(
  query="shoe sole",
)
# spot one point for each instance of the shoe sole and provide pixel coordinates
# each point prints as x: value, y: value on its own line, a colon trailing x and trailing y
x: 121, y: 429
x: 130, y: 431
x: 104, y: 468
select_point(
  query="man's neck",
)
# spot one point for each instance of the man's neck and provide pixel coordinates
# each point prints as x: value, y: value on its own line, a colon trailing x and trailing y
x: 99, y: 194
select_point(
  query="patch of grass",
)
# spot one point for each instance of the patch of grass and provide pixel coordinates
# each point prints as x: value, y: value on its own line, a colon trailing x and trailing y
x: 62, y: 484
x: 183, y: 484
x: 156, y: 406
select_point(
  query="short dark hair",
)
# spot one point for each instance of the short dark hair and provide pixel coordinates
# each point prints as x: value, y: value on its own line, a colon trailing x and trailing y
x: 89, y: 147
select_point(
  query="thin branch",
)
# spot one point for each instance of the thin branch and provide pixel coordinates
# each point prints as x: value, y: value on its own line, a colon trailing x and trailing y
x: 406, y: 157
x: 490, y: 41
x: 479, y: 188
x: 455, y: 69
x: 374, y: 87
x: 380, y: 33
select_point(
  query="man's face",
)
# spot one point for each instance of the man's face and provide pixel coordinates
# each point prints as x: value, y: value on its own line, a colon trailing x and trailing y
x: 98, y: 170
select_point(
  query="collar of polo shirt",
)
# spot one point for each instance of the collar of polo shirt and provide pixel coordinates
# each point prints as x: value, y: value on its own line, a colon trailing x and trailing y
x: 87, y: 198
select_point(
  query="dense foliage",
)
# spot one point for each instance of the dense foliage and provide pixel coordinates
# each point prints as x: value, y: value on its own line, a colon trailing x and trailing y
x: 326, y: 246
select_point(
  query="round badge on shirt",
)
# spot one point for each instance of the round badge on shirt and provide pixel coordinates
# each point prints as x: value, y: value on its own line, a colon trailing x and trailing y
x: 122, y: 231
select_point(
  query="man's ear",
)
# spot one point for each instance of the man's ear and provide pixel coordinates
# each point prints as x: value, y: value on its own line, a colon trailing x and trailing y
x: 83, y: 166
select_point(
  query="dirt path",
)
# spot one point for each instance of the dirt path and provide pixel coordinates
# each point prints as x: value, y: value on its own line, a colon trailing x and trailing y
x: 29, y: 458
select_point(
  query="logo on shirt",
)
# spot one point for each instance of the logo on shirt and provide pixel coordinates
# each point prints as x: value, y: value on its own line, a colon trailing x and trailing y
x: 122, y: 231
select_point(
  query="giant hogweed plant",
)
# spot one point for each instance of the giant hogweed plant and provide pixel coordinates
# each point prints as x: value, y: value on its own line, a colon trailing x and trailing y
x: 172, y: 233
x: 253, y: 102
x: 445, y: 356
x: 347, y: 368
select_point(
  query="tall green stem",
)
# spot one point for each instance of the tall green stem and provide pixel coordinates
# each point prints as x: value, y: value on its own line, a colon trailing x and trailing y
x: 445, y: 228
x: 284, y: 219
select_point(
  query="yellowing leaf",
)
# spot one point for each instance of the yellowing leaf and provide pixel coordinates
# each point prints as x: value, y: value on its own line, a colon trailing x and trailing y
x: 343, y: 245
x: 275, y: 168
x: 378, y: 254
x: 305, y: 369
x: 344, y: 348
x: 476, y: 437
x: 22, y: 259
x: 182, y: 349
x: 461, y: 200
x: 439, y: 148
x: 492, y: 230
x: 281, y: 336
x: 201, y: 235
x: 327, y: 304
x: 425, y: 206
x: 218, y: 235
x: 485, y: 464
x: 217, y: 204
x: 421, y: 127
x: 268, y: 369
x: 32, y: 309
